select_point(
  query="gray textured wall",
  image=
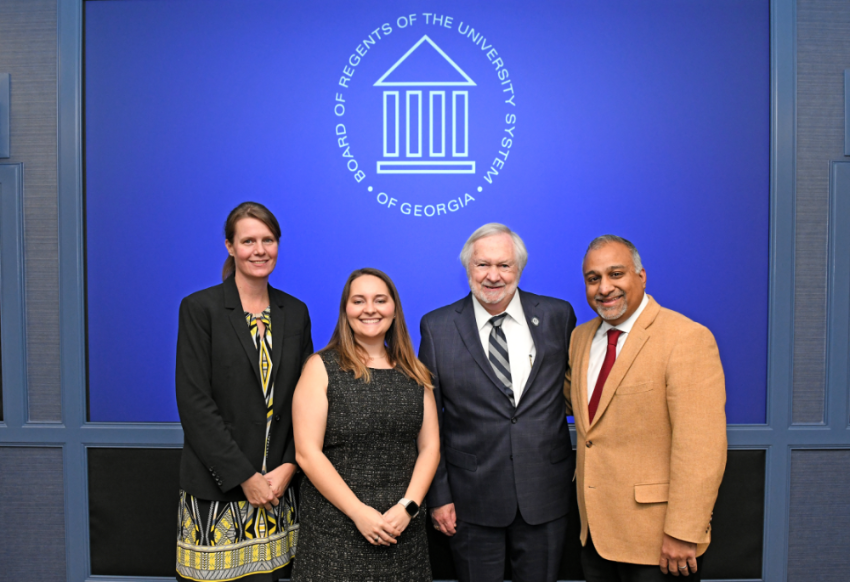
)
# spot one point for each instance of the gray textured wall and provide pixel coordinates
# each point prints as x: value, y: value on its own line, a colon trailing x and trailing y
x: 32, y: 523
x: 28, y: 44
x: 32, y: 515
x: 823, y: 52
x: 819, y: 543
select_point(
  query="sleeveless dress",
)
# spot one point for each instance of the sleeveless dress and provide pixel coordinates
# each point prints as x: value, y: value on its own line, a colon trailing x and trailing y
x: 230, y: 540
x: 370, y: 439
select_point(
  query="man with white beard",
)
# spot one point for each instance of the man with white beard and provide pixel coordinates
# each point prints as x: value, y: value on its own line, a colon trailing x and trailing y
x: 498, y: 358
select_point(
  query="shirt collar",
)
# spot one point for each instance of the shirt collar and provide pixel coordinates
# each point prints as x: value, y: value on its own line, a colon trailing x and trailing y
x: 514, y: 311
x: 627, y: 325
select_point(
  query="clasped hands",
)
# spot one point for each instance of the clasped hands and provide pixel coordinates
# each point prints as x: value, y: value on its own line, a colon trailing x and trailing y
x: 381, y: 529
x: 265, y: 490
x: 445, y: 519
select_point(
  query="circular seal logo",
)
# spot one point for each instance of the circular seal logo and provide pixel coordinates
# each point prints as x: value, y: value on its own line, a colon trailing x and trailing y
x: 425, y: 115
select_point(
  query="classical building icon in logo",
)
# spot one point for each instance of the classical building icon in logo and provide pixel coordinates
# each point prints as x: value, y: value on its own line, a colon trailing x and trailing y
x: 412, y: 105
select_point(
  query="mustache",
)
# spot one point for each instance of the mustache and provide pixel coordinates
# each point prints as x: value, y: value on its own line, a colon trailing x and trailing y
x: 609, y: 296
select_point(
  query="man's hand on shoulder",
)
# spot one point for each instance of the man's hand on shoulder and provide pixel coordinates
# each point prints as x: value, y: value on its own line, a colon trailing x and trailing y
x: 678, y: 556
x: 445, y: 519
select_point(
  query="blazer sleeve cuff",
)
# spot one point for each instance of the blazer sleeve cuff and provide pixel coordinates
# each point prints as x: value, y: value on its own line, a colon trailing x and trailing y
x: 289, y: 453
x: 438, y: 496
x: 235, y: 477
x: 702, y: 536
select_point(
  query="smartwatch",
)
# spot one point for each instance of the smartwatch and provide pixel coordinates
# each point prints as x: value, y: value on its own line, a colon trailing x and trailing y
x: 410, y: 506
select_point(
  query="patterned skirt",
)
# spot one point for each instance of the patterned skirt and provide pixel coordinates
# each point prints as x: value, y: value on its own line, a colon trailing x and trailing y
x: 221, y: 541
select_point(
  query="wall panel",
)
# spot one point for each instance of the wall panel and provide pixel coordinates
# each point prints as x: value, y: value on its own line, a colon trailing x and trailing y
x: 139, y: 539
x: 819, y: 545
x: 32, y: 522
x: 133, y: 496
x: 28, y: 50
x: 823, y: 52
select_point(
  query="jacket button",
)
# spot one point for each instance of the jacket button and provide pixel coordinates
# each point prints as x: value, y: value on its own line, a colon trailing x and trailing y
x: 513, y: 420
x: 588, y: 444
x: 277, y: 418
x: 512, y: 457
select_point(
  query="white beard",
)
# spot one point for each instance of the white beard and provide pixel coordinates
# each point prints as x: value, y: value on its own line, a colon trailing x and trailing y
x: 507, y: 291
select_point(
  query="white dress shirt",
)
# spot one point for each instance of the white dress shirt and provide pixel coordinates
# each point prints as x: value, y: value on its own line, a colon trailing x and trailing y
x: 599, y: 346
x: 521, y: 350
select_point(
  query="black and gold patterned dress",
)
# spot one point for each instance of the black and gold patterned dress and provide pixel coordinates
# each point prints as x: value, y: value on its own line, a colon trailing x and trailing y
x: 223, y: 541
x: 370, y: 439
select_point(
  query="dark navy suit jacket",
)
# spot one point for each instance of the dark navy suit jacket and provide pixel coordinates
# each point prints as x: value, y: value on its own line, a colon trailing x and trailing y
x: 495, y: 458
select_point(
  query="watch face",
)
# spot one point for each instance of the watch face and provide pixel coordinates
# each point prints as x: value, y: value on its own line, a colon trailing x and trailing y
x: 412, y: 508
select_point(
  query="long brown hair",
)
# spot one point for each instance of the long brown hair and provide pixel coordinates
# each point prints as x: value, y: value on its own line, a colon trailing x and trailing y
x: 397, y: 340
x: 246, y: 210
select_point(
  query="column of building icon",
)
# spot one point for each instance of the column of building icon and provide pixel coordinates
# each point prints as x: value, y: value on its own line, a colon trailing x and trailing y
x: 437, y: 156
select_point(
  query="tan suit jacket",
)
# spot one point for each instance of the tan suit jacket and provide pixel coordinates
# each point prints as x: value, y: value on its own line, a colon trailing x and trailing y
x: 653, y: 458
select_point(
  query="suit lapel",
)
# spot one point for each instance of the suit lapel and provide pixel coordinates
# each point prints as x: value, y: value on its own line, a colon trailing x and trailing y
x: 278, y: 331
x: 580, y: 376
x: 532, y: 314
x: 468, y: 330
x: 240, y: 326
x: 635, y: 341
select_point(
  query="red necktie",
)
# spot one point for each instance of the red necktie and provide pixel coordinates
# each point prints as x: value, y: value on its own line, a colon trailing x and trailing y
x: 610, y: 356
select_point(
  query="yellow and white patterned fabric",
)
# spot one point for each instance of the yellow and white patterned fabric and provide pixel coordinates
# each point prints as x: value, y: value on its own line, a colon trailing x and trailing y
x: 222, y: 541
x: 263, y: 343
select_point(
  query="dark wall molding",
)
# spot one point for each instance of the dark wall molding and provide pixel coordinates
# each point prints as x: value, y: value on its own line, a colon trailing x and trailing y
x: 12, y: 296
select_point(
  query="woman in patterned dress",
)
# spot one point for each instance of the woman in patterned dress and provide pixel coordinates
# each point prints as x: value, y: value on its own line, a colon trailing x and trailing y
x: 240, y: 349
x: 367, y: 438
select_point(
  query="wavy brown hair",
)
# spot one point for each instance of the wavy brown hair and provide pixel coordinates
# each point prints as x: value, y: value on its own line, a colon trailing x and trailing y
x: 246, y: 210
x: 397, y: 340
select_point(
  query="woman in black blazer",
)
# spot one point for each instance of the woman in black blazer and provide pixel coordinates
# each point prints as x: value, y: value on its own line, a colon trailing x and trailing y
x: 240, y: 349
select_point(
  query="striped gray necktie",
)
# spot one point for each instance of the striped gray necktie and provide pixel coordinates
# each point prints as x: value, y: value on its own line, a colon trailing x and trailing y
x: 499, y: 358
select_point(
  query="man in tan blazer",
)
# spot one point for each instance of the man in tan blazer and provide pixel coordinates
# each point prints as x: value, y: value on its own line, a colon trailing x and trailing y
x: 647, y: 391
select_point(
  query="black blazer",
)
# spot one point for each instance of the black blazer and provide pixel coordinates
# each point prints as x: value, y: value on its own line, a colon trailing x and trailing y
x: 495, y: 458
x: 219, y: 395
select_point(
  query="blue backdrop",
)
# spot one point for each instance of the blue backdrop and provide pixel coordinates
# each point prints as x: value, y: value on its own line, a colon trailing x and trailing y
x: 564, y: 120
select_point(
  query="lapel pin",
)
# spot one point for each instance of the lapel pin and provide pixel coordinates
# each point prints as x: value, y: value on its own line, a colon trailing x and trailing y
x: 535, y: 321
